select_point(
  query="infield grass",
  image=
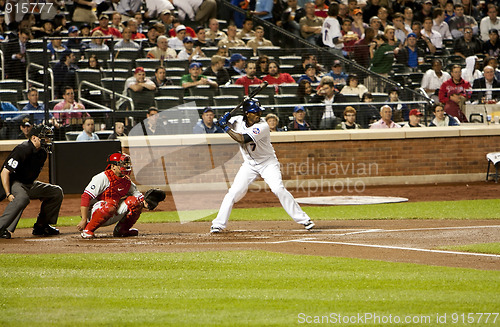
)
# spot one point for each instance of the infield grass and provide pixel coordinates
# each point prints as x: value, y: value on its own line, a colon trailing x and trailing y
x: 233, y: 288
x: 466, y: 209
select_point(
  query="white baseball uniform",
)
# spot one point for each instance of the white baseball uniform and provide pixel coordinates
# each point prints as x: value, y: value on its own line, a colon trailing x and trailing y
x: 96, y: 188
x: 259, y: 160
x: 329, y: 31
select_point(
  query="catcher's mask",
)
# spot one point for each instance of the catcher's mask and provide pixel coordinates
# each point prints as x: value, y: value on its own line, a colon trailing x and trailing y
x: 46, y: 135
x: 121, y: 160
x: 252, y: 105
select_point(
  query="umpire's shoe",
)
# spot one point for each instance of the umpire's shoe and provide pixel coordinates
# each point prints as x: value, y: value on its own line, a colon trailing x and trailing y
x: 44, y: 230
x: 5, y: 234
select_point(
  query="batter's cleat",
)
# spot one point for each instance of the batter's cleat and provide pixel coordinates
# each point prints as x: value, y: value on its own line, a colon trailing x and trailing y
x: 309, y: 225
x: 214, y: 230
x: 119, y: 233
x: 44, y: 230
x: 5, y: 234
x: 87, y: 234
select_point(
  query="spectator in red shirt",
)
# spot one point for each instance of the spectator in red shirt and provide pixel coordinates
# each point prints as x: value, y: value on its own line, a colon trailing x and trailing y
x: 249, y: 78
x: 455, y: 83
x: 133, y: 25
x: 104, y: 27
x: 275, y: 77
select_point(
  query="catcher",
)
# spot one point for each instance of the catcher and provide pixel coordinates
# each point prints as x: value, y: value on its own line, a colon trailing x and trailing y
x: 111, y: 197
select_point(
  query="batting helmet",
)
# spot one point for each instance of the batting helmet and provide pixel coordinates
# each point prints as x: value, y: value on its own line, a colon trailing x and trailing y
x: 121, y: 160
x: 252, y: 105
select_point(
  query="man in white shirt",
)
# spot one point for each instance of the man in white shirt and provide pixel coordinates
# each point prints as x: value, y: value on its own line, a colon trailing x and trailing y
x: 439, y: 25
x: 489, y: 22
x: 435, y: 37
x: 433, y: 78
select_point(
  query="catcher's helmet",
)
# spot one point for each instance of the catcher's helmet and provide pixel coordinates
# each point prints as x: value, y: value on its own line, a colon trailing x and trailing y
x: 252, y: 105
x: 121, y: 160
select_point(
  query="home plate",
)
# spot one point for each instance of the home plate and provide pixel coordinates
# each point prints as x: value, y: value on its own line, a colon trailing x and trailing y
x: 349, y: 200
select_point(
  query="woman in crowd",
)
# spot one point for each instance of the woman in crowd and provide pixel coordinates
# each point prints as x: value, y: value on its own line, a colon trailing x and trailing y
x: 353, y: 86
x: 304, y: 91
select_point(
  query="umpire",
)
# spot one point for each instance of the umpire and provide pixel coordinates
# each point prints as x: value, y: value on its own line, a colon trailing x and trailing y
x: 21, y: 168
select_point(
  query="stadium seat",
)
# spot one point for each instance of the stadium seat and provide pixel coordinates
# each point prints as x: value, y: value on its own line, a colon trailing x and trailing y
x: 89, y: 75
x: 177, y: 63
x: 163, y: 103
x: 175, y: 71
x: 288, y: 88
x: 13, y: 84
x: 290, y: 60
x: 232, y: 89
x: 8, y: 96
x: 121, y: 64
x: 121, y: 73
x: 129, y: 54
x: 171, y: 90
x: 148, y: 63
x: 200, y: 101
x: 244, y: 51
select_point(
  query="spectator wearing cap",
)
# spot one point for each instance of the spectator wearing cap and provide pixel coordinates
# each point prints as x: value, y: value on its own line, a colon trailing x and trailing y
x: 217, y: 70
x: 231, y: 40
x: 275, y: 77
x: 489, y: 22
x: 201, y: 38
x: 73, y: 42
x: 299, y: 123
x: 106, y: 29
x: 237, y: 62
x: 65, y: 72
x: 162, y: 50
x: 134, y: 25
x: 386, y: 120
x: 358, y: 25
x: 349, y: 119
x: 175, y: 22
x: 127, y: 42
x: 84, y: 30
x: 128, y: 8
x: 491, y: 48
x: 46, y: 29
x: 189, y: 52
x: 259, y: 40
x: 151, y: 37
x: 441, y: 118
x: 206, y: 125
x: 83, y: 11
x: 25, y: 128
x: 213, y: 33
x: 424, y: 12
x: 167, y: 19
x: 195, y: 78
x: 414, y: 119
x: 409, y: 54
x: 139, y: 82
x: 339, y: 77
x: 250, y: 76
x: 310, y: 75
x: 177, y: 42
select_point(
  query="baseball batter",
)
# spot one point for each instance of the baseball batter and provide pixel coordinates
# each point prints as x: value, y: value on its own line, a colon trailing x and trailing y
x: 112, y: 197
x: 253, y: 135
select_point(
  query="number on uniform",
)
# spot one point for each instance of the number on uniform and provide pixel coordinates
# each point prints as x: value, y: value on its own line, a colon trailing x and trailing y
x: 13, y: 163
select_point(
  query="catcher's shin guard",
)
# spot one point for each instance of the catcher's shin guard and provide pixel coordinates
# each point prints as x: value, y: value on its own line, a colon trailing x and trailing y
x: 101, y: 215
x: 124, y: 226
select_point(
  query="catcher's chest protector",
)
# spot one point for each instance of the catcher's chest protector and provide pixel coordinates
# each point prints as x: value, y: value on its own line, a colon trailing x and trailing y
x: 118, y: 188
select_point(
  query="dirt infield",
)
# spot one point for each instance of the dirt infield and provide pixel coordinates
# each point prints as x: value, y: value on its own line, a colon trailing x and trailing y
x: 414, y: 241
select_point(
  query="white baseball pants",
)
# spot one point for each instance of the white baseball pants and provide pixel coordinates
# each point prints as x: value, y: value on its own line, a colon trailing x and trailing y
x: 270, y: 172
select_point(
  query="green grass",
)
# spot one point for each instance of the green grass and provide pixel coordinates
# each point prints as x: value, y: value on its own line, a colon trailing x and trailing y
x: 490, y: 248
x: 467, y: 209
x: 234, y: 288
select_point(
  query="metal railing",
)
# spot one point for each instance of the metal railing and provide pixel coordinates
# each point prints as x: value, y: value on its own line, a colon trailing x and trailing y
x: 33, y: 82
x: 105, y: 90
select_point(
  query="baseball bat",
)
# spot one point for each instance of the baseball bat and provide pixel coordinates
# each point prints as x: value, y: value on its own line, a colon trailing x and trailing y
x: 251, y: 95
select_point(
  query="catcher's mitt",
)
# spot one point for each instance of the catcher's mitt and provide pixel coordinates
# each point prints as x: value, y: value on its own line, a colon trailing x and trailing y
x: 153, y: 197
